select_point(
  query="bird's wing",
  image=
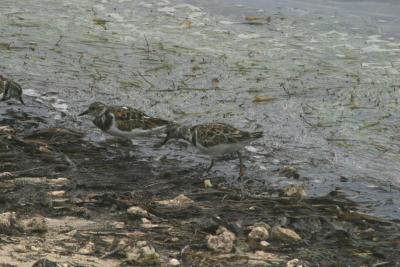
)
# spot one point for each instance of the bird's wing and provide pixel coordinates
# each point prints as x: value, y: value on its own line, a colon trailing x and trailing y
x: 212, y: 134
x: 128, y: 118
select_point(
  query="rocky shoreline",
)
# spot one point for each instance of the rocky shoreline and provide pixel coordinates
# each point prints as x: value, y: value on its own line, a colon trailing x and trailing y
x: 66, y: 201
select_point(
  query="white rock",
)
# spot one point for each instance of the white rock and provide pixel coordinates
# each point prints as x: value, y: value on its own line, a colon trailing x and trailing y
x: 35, y: 224
x: 222, y: 242
x: 174, y: 262
x: 264, y: 244
x: 284, y: 234
x: 146, y: 223
x: 59, y: 181
x: 207, y: 183
x: 9, y: 223
x: 294, y: 263
x: 5, y: 174
x: 20, y: 248
x: 180, y: 201
x: 88, y: 248
x: 118, y: 225
x: 136, y: 211
x: 259, y: 233
x: 142, y: 253
x: 60, y: 193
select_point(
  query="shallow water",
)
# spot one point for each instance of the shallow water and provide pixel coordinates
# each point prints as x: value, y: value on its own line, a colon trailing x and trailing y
x: 333, y: 73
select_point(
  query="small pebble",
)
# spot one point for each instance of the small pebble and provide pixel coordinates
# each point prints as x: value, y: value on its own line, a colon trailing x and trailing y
x: 284, y: 234
x: 222, y: 242
x: 89, y: 248
x: 264, y: 244
x: 174, y: 262
x: 207, y: 183
x: 60, y: 180
x: 36, y: 224
x: 60, y: 193
x: 259, y: 233
x: 138, y: 212
x: 143, y: 254
x: 180, y: 200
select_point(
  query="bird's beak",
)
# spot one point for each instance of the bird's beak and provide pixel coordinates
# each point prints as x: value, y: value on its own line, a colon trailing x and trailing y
x: 84, y: 113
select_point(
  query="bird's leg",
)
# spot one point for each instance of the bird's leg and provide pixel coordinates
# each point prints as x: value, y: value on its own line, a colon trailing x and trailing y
x: 242, y: 167
x: 211, y: 165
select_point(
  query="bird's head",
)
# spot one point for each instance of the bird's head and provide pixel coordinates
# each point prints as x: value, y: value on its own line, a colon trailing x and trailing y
x: 94, y: 109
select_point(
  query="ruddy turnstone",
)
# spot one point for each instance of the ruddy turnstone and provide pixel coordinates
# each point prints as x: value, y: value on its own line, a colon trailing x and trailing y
x: 10, y: 89
x: 214, y: 139
x: 124, y: 121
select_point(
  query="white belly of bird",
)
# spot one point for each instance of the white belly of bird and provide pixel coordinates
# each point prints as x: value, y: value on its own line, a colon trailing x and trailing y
x: 221, y: 149
x: 113, y: 130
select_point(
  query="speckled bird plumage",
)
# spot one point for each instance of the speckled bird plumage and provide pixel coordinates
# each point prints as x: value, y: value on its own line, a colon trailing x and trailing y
x: 214, y: 139
x: 124, y: 121
x: 10, y: 89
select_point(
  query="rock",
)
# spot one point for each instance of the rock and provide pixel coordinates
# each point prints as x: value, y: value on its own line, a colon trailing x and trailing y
x: 207, y: 183
x: 118, y: 225
x: 259, y: 233
x: 45, y: 263
x: 20, y: 248
x: 137, y: 212
x: 35, y: 248
x: 284, y: 234
x: 36, y: 224
x: 257, y: 236
x: 9, y: 223
x: 60, y: 193
x: 294, y: 191
x: 135, y: 234
x: 59, y: 181
x: 180, y: 201
x: 87, y: 249
x: 222, y: 242
x: 72, y: 233
x: 174, y: 262
x: 120, y: 246
x: 44, y: 149
x: 296, y: 263
x: 146, y: 223
x: 264, y: 244
x: 7, y: 130
x: 142, y: 253
x: 262, y: 258
x: 262, y: 224
x: 6, y: 174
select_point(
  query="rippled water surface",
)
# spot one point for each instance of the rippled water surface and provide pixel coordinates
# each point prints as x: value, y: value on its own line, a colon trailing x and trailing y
x: 328, y: 73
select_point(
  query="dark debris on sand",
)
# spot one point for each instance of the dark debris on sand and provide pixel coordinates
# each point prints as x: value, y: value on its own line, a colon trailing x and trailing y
x: 65, y: 201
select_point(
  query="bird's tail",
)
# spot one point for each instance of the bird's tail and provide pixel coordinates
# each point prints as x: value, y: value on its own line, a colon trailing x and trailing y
x: 256, y: 135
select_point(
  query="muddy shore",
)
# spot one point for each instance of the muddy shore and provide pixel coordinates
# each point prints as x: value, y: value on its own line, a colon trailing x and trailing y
x: 78, y: 203
x: 322, y: 83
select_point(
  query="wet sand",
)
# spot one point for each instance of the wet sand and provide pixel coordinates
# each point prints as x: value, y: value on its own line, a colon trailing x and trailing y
x: 324, y: 92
